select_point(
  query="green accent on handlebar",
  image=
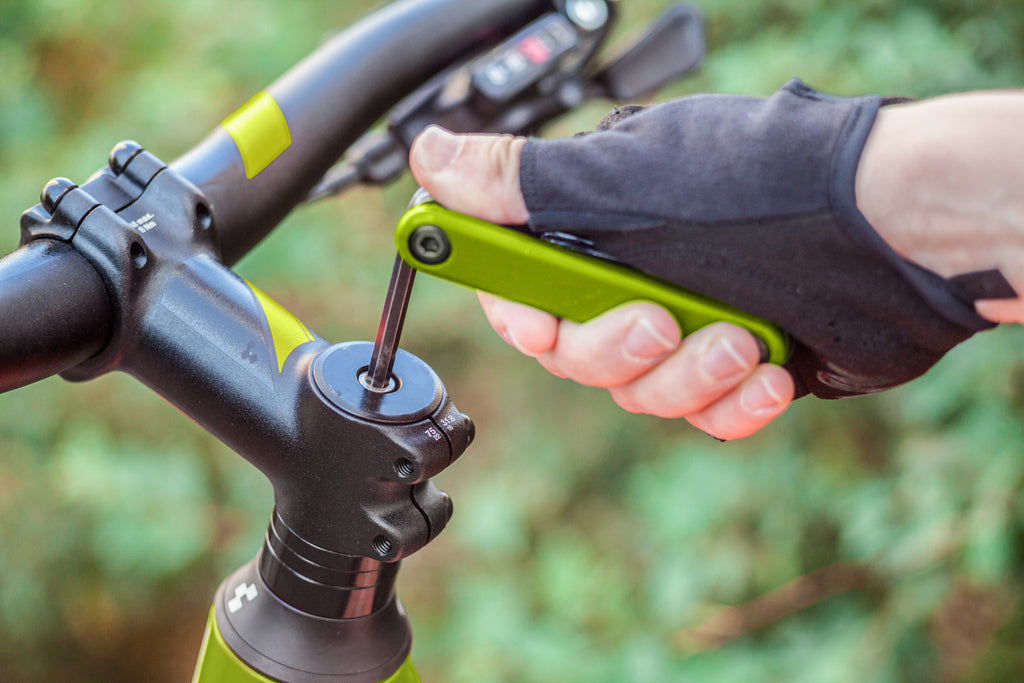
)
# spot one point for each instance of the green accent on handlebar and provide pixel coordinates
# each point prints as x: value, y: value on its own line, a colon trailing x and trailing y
x: 566, y: 283
x: 260, y: 131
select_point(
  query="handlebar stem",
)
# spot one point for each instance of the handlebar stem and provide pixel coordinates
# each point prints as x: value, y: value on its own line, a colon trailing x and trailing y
x: 350, y: 467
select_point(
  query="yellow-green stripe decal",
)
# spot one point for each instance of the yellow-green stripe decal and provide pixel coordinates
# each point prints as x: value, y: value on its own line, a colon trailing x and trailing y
x: 287, y: 331
x: 260, y: 130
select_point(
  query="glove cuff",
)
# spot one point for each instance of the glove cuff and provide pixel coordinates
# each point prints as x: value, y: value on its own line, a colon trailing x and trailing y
x: 947, y: 298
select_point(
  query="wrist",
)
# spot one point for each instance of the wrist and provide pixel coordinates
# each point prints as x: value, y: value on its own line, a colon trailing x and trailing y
x: 935, y: 181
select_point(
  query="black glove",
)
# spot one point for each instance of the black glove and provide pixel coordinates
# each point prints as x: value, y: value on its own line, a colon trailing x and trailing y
x: 751, y: 201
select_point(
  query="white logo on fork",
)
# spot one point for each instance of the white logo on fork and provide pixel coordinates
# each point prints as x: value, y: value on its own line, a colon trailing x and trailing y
x: 242, y: 590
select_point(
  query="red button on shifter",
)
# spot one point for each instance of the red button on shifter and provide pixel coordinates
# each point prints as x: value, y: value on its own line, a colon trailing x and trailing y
x: 535, y: 49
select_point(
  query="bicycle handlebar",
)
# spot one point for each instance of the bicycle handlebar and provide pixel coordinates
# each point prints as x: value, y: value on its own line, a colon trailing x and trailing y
x: 332, y: 97
x: 55, y: 312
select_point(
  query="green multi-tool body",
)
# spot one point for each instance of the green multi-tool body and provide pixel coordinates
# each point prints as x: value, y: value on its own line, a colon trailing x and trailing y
x: 562, y: 281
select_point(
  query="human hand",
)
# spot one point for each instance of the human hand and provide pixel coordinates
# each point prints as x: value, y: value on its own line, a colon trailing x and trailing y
x: 713, y: 378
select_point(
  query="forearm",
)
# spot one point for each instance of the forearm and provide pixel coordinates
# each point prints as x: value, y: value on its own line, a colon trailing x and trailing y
x: 943, y: 182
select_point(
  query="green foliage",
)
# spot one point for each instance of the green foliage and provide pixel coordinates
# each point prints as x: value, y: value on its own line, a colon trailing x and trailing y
x: 875, y: 539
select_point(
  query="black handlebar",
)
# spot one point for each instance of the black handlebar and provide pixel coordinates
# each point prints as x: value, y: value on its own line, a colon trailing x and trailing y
x: 54, y: 312
x: 331, y: 98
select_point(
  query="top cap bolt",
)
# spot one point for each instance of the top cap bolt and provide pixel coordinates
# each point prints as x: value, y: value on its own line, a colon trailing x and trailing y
x: 53, y: 192
x: 122, y: 154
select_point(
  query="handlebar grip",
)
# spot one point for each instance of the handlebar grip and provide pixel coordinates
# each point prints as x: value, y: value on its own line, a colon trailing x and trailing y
x: 54, y: 312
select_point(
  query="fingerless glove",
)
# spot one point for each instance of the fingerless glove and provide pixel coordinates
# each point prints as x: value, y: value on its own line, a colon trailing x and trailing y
x: 751, y: 201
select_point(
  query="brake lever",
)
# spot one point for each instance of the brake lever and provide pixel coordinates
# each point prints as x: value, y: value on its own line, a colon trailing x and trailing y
x: 671, y: 48
x: 538, y: 74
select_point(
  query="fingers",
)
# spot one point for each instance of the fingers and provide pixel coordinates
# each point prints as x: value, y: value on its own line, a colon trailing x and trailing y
x: 713, y: 361
x: 758, y: 400
x: 615, y: 348
x: 610, y: 350
x: 1001, y: 310
x: 530, y: 331
x: 713, y: 378
x: 473, y: 174
x: 715, y: 381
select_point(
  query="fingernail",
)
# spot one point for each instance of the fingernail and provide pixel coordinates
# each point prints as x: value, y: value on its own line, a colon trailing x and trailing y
x: 760, y: 398
x: 643, y: 342
x: 722, y: 361
x: 436, y: 149
x: 511, y: 340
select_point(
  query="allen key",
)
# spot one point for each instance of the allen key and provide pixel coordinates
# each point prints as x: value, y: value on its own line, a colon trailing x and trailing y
x: 377, y: 377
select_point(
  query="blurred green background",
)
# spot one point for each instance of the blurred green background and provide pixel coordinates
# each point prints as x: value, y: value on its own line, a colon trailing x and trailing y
x: 876, y: 539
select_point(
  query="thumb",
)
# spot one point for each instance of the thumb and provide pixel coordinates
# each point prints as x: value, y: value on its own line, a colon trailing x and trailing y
x: 473, y: 174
